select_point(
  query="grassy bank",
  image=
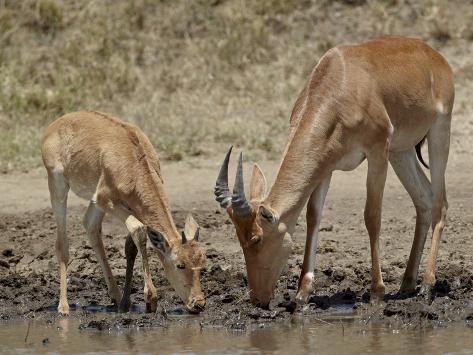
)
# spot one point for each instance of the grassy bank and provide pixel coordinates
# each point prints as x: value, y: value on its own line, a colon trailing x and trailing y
x: 196, y: 76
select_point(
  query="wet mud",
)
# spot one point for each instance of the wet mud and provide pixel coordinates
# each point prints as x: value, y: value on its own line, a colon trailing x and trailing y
x: 29, y: 276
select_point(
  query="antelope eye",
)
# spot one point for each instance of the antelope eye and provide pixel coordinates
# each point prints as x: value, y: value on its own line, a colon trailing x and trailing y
x: 181, y: 266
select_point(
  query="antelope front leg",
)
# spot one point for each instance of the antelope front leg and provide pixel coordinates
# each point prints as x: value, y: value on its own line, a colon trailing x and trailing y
x: 377, y: 170
x: 313, y: 217
x: 93, y: 226
x: 139, y: 236
x: 130, y: 253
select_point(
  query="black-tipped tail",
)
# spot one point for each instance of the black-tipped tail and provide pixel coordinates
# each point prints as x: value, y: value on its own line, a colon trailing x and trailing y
x: 419, y: 152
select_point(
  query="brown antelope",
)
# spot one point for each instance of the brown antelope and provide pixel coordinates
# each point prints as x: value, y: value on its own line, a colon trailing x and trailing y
x: 113, y: 164
x: 377, y: 101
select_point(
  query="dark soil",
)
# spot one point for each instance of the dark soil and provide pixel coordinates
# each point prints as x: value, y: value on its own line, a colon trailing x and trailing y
x: 29, y: 276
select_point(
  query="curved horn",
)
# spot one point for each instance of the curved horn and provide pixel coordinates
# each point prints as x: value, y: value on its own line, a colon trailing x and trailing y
x: 241, y: 207
x: 221, y: 191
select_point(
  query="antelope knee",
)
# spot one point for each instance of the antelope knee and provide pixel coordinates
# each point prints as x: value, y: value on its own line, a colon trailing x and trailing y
x: 134, y: 226
x: 92, y: 223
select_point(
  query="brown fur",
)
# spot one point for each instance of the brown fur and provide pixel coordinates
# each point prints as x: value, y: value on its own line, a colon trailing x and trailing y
x: 113, y: 164
x: 375, y: 100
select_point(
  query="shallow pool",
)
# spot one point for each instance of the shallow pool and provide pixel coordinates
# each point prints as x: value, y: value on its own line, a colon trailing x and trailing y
x: 336, y: 335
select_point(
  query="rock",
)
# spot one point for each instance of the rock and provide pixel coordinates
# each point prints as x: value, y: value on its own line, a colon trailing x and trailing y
x: 4, y: 263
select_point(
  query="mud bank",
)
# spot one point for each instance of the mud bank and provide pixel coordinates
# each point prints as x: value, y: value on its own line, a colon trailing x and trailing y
x: 29, y: 277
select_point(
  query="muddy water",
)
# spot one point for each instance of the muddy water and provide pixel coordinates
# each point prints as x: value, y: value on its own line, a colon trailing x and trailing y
x: 334, y: 335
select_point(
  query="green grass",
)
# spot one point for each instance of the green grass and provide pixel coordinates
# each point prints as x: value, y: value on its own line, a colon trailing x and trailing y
x: 196, y: 76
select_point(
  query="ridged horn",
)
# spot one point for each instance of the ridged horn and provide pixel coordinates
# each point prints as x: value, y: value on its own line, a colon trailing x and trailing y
x: 241, y: 207
x: 221, y: 191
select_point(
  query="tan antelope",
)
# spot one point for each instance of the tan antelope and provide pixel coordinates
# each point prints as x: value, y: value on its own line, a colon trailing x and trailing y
x: 113, y: 164
x: 377, y: 101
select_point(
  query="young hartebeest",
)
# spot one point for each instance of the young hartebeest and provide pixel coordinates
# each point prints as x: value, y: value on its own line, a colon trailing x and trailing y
x: 113, y: 164
x: 376, y: 100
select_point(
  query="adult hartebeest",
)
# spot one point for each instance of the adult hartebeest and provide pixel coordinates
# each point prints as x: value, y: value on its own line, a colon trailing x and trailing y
x: 113, y: 164
x: 376, y: 100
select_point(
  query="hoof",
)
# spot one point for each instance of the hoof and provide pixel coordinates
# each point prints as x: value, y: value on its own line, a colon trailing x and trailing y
x: 305, y: 289
x: 151, y: 307
x: 376, y: 298
x: 302, y: 297
x: 124, y: 307
x: 408, y: 287
x: 426, y: 293
x: 63, y: 309
x: 116, y: 297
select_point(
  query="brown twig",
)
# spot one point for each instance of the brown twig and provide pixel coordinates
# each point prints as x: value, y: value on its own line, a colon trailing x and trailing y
x: 28, y: 330
x: 322, y: 321
x: 240, y: 299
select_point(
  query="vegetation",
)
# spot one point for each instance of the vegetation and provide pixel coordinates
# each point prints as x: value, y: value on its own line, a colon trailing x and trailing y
x: 196, y: 75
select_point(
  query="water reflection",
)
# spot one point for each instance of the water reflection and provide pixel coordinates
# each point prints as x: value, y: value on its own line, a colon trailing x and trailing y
x: 305, y: 336
x: 265, y: 340
x: 375, y: 338
x: 130, y: 341
x: 63, y: 328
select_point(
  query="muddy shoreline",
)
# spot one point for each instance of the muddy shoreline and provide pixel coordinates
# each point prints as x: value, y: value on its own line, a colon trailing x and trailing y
x: 29, y: 280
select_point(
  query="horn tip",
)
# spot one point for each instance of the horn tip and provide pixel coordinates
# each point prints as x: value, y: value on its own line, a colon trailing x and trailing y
x: 229, y: 152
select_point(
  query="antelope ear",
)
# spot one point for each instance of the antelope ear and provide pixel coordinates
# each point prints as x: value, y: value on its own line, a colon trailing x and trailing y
x: 267, y: 215
x: 191, y: 228
x: 159, y: 241
x: 257, y: 184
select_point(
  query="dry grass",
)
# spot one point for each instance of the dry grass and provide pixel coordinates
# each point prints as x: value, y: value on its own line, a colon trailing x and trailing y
x: 195, y: 75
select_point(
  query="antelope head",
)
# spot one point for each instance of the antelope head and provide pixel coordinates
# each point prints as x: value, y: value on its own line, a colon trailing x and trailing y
x: 183, y: 261
x: 265, y: 242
